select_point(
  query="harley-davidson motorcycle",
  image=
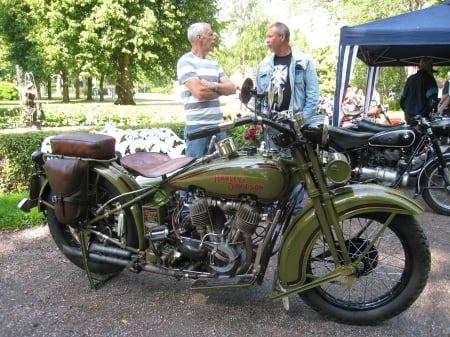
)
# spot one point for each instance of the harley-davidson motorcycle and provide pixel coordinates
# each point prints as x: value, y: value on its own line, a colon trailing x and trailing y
x: 391, y: 155
x: 356, y: 254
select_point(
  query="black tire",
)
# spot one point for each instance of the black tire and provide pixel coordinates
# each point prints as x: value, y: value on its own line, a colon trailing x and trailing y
x: 66, y: 236
x: 435, y: 192
x: 390, y: 278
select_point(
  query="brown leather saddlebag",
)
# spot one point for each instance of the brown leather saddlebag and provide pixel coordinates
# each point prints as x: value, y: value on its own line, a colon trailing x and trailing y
x: 86, y: 145
x: 68, y: 179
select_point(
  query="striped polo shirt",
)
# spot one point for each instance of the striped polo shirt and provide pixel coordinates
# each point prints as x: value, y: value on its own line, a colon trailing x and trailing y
x: 198, y: 112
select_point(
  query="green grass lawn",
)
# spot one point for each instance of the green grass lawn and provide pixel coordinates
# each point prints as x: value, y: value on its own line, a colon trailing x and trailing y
x: 12, y: 218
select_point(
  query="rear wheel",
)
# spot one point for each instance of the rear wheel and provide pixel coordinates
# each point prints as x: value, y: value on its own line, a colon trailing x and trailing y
x: 436, y: 192
x: 67, y: 238
x: 389, y: 278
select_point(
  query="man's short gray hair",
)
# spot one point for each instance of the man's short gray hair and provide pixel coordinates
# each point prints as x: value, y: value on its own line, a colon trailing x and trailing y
x: 195, y: 29
x: 281, y: 29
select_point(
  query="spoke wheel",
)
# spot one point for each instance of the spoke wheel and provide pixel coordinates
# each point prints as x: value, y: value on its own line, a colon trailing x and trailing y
x: 435, y: 193
x: 387, y: 280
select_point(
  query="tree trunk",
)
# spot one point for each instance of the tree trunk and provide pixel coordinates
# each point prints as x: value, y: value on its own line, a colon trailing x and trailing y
x: 101, y: 91
x: 65, y: 86
x: 123, y: 84
x: 77, y: 89
x: 89, y: 89
x: 49, y: 87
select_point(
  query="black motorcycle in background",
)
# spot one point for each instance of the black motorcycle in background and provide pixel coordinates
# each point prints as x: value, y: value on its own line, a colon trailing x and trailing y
x: 391, y: 155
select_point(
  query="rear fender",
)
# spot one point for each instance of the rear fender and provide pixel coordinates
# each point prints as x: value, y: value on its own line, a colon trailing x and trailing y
x: 124, y: 183
x: 349, y: 201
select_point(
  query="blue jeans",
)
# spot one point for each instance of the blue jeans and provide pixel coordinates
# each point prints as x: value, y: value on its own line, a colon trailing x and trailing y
x: 197, y: 148
x: 299, y: 191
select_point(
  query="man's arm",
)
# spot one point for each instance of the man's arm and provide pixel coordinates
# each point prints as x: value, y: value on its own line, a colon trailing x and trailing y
x: 311, y: 91
x: 205, y: 90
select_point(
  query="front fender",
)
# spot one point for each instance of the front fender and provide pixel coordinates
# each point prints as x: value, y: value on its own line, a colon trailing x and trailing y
x: 348, y: 201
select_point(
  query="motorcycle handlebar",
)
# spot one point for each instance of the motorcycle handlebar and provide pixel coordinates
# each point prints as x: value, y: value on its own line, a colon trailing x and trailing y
x: 213, y: 129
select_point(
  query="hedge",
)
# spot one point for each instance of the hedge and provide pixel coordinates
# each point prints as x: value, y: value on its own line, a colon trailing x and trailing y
x: 16, y: 148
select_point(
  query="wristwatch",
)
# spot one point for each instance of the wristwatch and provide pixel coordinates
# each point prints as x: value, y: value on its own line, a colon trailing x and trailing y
x: 216, y: 86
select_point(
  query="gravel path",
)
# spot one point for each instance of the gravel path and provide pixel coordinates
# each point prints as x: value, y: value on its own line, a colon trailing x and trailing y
x: 43, y: 294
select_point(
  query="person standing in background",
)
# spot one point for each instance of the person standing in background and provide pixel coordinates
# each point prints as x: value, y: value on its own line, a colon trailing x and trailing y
x: 440, y: 84
x: 202, y: 82
x: 419, y: 95
x: 445, y: 98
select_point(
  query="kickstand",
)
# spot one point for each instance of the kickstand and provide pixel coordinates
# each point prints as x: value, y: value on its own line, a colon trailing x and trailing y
x: 95, y: 283
x: 84, y: 252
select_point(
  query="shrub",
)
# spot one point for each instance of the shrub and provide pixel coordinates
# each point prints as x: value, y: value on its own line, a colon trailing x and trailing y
x: 8, y: 92
x: 394, y: 105
x: 16, y: 166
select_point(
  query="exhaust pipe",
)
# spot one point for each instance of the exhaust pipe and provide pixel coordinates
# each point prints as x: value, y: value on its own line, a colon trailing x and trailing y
x: 112, y: 255
x: 119, y: 259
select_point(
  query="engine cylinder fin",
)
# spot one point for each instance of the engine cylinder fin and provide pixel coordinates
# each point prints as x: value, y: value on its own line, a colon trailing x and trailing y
x: 247, y: 219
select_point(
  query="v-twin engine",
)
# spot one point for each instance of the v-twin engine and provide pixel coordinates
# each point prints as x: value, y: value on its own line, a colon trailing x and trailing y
x: 208, y: 234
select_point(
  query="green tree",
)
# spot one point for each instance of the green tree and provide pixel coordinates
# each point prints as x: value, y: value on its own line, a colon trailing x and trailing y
x: 243, y: 37
x: 142, y: 34
x: 5, y: 64
x: 16, y: 22
x: 325, y: 61
x: 89, y: 38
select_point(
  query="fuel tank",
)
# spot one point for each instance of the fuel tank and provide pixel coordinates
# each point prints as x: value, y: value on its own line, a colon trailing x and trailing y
x: 232, y: 177
x: 394, y: 138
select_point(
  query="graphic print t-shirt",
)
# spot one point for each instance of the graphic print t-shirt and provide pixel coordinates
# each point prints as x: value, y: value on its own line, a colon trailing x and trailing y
x: 280, y: 82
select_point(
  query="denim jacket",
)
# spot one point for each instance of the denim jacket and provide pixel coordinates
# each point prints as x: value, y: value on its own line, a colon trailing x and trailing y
x: 303, y: 79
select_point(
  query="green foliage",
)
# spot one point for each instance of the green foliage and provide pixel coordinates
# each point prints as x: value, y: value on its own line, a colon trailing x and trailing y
x: 5, y: 64
x: 12, y: 218
x: 89, y: 38
x: 98, y: 115
x: 325, y: 62
x: 238, y: 135
x: 9, y: 117
x: 394, y: 104
x: 243, y: 38
x: 7, y: 91
x: 15, y: 164
x: 9, y: 111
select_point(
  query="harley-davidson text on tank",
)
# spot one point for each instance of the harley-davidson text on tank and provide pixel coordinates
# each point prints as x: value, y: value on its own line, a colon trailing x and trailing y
x: 231, y: 178
x: 237, y: 183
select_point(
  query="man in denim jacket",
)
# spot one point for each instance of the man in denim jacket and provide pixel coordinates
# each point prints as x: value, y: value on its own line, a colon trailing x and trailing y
x: 290, y: 80
x: 289, y: 74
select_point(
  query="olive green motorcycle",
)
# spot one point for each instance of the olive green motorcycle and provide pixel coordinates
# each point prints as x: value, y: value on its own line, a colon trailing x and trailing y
x: 356, y: 253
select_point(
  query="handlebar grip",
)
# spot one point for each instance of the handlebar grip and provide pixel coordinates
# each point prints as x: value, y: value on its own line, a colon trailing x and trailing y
x: 203, y: 132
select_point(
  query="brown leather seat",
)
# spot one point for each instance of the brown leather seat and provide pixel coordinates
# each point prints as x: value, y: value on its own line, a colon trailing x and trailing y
x: 153, y: 164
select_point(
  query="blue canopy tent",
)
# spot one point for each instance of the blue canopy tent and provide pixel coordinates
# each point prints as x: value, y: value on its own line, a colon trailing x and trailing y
x: 396, y: 41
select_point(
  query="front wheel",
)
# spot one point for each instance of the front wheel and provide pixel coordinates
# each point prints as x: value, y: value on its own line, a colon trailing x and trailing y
x: 388, y: 279
x: 67, y: 238
x: 436, y: 192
